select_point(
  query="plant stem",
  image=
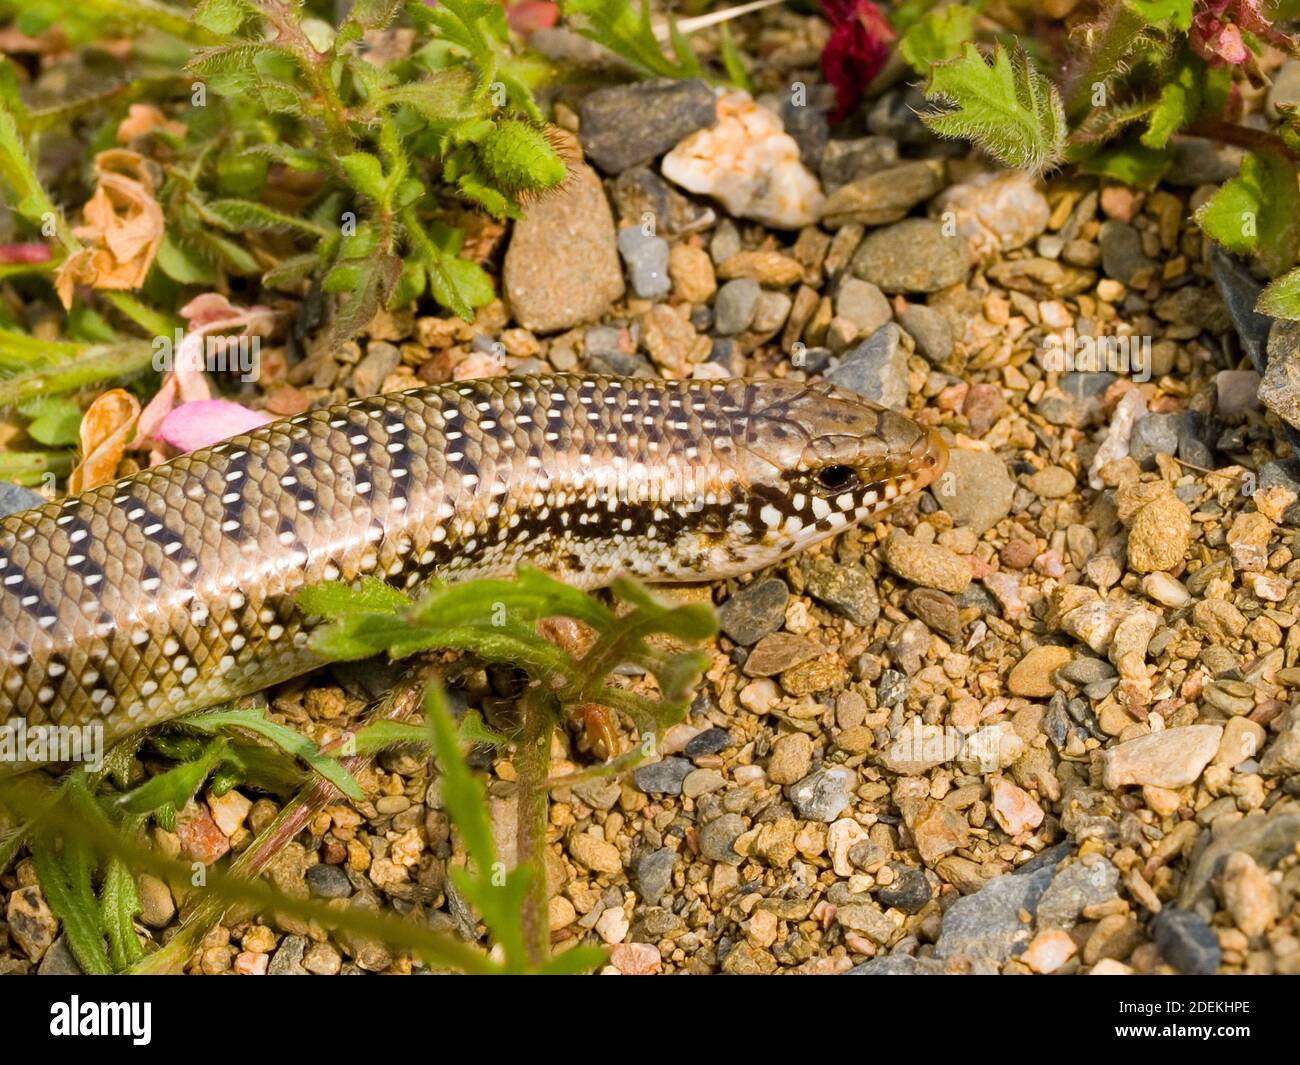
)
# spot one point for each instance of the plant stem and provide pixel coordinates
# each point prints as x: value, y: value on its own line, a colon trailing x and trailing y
x: 1255, y: 140
x: 95, y: 365
x: 532, y: 765
x: 403, y: 702
x: 32, y: 467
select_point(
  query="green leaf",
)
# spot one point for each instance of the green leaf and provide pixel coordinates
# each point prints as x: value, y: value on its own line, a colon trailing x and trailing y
x: 65, y: 878
x: 733, y: 62
x: 56, y: 421
x: 616, y: 26
x: 175, y: 787
x: 183, y: 267
x: 1006, y: 106
x: 366, y: 173
x: 1128, y: 162
x: 938, y: 36
x: 1281, y: 298
x: 1160, y: 12
x: 119, y: 903
x: 1258, y: 211
x: 334, y: 599
x: 239, y: 215
x: 222, y: 17
x: 288, y: 740
x: 1180, y: 101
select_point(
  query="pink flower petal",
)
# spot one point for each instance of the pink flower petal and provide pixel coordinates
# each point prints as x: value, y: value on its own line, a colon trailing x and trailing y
x: 24, y: 253
x: 208, y: 421
x: 529, y: 15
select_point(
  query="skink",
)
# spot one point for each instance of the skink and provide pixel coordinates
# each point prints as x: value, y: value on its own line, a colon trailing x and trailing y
x: 174, y: 589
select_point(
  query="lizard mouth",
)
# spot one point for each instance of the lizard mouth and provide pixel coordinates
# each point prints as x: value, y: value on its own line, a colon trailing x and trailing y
x: 928, y: 460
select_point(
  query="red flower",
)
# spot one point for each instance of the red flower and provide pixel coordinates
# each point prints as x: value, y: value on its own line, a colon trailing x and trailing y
x: 857, y: 50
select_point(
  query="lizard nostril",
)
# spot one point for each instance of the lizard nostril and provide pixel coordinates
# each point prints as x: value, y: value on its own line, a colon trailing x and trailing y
x: 929, y: 457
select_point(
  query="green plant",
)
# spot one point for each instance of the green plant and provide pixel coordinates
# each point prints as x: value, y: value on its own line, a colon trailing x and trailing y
x: 1133, y: 73
x: 85, y: 833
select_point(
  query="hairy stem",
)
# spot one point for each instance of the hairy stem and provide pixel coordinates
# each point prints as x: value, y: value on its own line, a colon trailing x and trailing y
x: 1255, y: 140
x: 1102, y: 59
x: 532, y: 765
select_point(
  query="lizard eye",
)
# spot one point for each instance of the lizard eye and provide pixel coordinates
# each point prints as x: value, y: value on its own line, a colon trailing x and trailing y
x: 837, y: 478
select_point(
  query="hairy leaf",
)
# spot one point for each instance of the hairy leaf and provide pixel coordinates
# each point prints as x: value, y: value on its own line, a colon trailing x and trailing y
x: 1180, y: 101
x: 938, y: 36
x: 1005, y: 106
x: 1281, y: 298
x: 1258, y: 211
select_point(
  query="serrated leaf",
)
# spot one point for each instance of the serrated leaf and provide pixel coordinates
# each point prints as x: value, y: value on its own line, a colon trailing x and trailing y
x: 1258, y: 211
x: 459, y: 285
x: 1007, y: 107
x: 938, y: 36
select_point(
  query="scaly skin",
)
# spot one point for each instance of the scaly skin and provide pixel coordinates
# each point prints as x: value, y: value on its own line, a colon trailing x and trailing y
x: 173, y: 590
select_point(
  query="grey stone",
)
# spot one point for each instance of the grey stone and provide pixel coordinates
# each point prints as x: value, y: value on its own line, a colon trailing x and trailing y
x: 662, y: 778
x: 930, y: 330
x: 641, y: 195
x: 1197, y: 161
x: 754, y: 611
x: 1154, y: 434
x: 897, y: 115
x: 914, y: 255
x: 735, y: 305
x: 1186, y: 942
x: 844, y: 161
x: 646, y: 259
x: 287, y: 959
x: 328, y: 882
x: 14, y: 497
x: 863, y: 304
x: 884, y: 196
x: 808, y: 123
x: 986, y: 925
x: 1240, y: 292
x: 381, y: 359
x: 1280, y: 389
x: 822, y: 795
x: 1089, y: 882
x: 876, y: 368
x: 625, y: 125
x: 897, y: 965
x: 847, y: 590
x: 975, y: 490
x: 654, y: 874
x: 710, y: 741
x: 718, y: 836
x: 59, y: 960
x: 909, y: 892
x: 1121, y: 251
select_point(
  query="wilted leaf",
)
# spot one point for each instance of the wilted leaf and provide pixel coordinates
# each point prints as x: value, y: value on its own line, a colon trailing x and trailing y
x: 122, y: 230
x: 145, y: 118
x: 105, y: 431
